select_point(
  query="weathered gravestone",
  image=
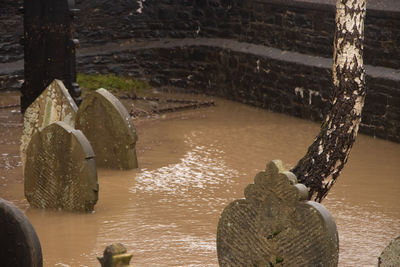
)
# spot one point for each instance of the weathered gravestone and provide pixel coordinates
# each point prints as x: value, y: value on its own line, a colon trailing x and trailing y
x: 390, y: 256
x: 19, y: 244
x: 54, y: 104
x: 274, y: 226
x: 60, y: 171
x: 110, y: 130
x: 115, y: 256
x: 49, y: 48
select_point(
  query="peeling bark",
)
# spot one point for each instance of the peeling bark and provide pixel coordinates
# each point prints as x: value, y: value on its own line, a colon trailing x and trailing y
x: 326, y: 157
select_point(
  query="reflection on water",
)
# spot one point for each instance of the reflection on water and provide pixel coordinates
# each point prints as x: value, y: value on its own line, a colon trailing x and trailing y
x: 192, y: 165
x: 202, y: 168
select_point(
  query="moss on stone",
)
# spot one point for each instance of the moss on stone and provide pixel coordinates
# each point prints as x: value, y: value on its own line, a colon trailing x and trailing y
x: 112, y: 83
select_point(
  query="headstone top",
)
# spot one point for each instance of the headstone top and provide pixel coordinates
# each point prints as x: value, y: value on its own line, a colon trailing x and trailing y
x: 115, y: 255
x: 19, y: 244
x: 54, y: 104
x: 275, y: 225
x: 60, y: 171
x: 121, y: 109
x: 391, y: 254
x: 110, y: 130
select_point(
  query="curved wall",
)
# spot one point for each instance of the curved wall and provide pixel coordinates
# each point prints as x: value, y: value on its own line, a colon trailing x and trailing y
x: 268, y: 53
x: 288, y: 25
x: 281, y: 81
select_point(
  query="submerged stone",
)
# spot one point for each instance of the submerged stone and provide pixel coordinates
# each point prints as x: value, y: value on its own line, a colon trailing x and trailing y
x: 60, y: 170
x: 115, y: 255
x: 54, y: 104
x: 391, y: 254
x: 19, y: 244
x: 275, y: 225
x: 110, y: 130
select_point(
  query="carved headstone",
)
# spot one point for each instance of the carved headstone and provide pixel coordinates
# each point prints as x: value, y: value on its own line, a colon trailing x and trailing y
x: 115, y: 255
x: 391, y: 254
x: 110, y: 130
x: 60, y: 171
x: 274, y: 226
x: 19, y: 244
x: 54, y: 104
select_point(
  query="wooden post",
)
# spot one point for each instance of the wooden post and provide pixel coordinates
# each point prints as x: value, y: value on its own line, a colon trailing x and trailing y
x: 49, y: 48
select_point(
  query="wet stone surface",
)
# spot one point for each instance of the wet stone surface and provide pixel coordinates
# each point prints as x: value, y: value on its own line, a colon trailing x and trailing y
x: 19, y: 244
x: 391, y: 255
x: 274, y: 226
x: 60, y: 171
x: 54, y: 104
x: 115, y: 255
x: 110, y: 130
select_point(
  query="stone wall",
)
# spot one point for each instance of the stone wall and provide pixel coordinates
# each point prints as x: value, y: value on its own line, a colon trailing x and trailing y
x: 267, y: 53
x: 287, y: 25
x: 287, y: 82
x: 11, y: 31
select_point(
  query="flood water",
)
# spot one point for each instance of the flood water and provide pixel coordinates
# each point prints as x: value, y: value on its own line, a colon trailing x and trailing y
x: 194, y: 163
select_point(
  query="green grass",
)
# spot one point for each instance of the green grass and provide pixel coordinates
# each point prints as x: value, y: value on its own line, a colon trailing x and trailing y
x: 112, y: 83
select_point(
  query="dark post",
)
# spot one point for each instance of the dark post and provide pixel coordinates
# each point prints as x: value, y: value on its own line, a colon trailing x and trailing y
x: 49, y: 48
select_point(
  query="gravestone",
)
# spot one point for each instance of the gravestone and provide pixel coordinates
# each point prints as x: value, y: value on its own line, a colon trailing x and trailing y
x: 49, y: 48
x: 275, y: 226
x: 19, y: 244
x: 60, y: 171
x: 115, y: 255
x: 54, y: 104
x: 110, y: 130
x: 390, y: 256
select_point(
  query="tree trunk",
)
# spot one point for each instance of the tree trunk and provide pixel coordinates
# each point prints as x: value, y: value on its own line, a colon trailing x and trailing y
x: 326, y: 157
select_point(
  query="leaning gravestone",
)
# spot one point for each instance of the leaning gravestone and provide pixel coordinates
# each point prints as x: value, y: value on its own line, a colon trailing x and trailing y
x: 275, y: 226
x: 19, y: 244
x: 60, y: 171
x: 54, y: 104
x: 110, y: 130
x: 390, y: 256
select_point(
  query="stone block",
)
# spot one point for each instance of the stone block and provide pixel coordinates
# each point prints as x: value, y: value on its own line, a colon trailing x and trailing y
x: 60, y: 171
x: 110, y: 130
x: 19, y: 244
x: 54, y: 104
x: 391, y: 254
x: 275, y: 226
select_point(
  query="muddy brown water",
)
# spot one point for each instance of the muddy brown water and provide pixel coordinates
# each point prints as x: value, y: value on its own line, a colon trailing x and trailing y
x: 192, y: 164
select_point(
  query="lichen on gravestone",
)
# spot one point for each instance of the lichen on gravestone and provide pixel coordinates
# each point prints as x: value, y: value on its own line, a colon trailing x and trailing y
x: 275, y: 226
x: 115, y: 255
x: 110, y: 130
x: 391, y: 254
x: 60, y: 170
x: 54, y: 104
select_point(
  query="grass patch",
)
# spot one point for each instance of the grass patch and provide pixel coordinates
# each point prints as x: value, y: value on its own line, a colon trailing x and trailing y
x: 112, y: 83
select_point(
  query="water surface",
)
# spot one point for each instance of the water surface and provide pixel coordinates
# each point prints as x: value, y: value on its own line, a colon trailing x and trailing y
x: 194, y: 163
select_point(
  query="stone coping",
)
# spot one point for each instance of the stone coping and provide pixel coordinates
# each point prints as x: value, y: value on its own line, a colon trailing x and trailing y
x: 388, y: 6
x: 258, y: 50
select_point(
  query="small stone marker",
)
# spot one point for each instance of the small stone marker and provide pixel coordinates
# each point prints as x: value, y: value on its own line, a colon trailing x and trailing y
x: 390, y: 256
x: 115, y: 256
x: 54, y: 104
x: 60, y: 171
x: 275, y: 226
x: 19, y: 244
x: 110, y: 130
